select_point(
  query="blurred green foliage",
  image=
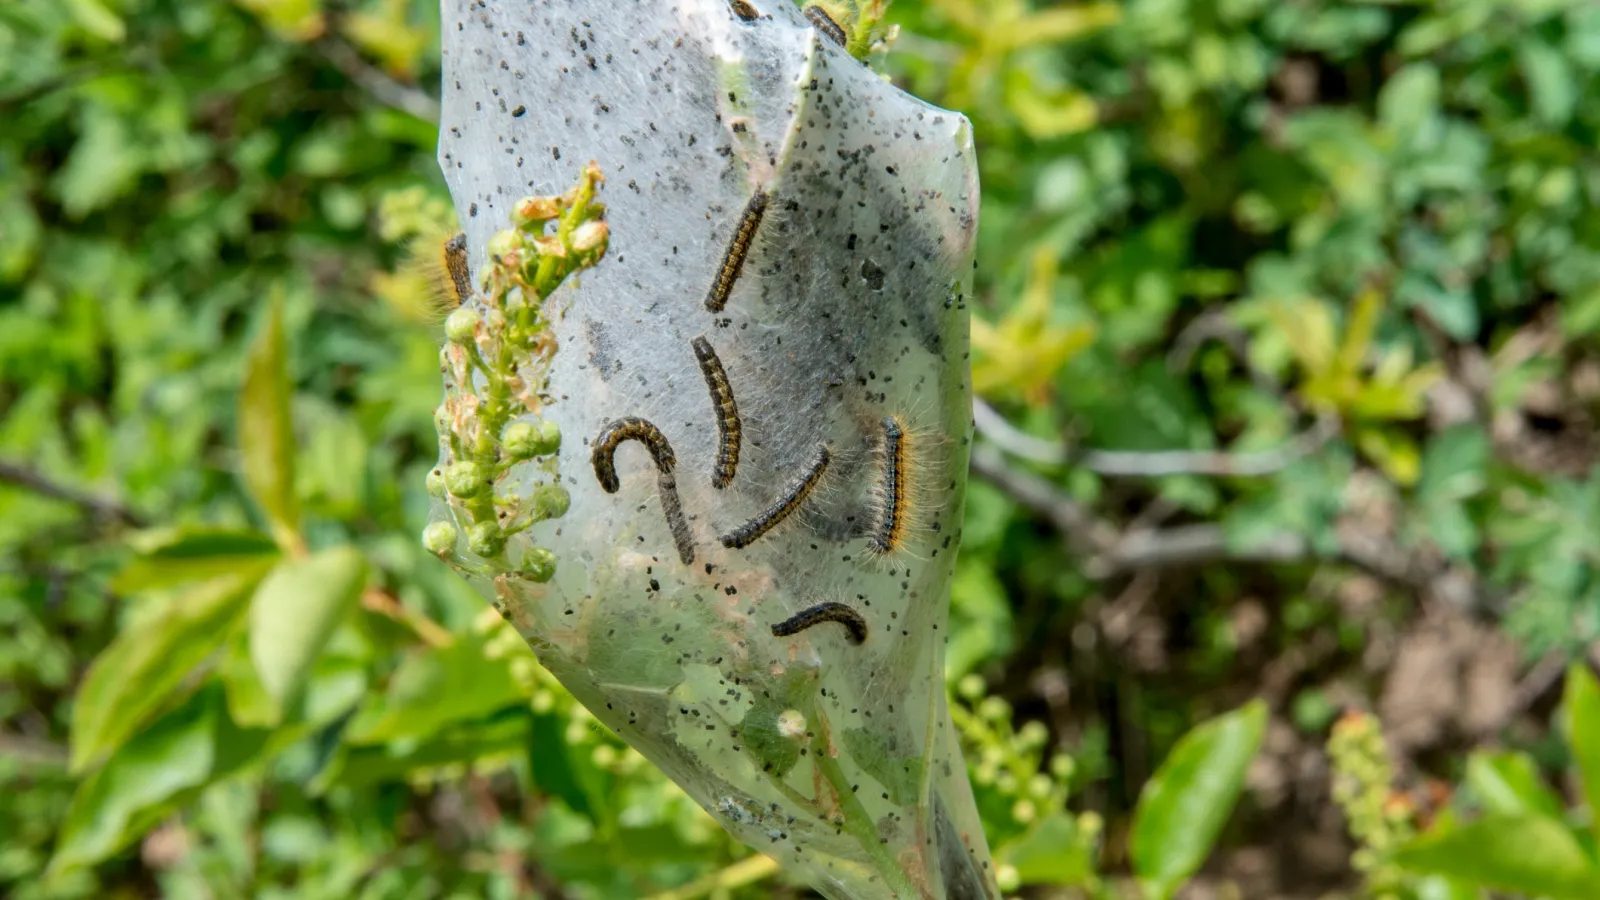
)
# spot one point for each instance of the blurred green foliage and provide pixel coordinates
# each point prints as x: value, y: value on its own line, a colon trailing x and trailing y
x: 1208, y: 225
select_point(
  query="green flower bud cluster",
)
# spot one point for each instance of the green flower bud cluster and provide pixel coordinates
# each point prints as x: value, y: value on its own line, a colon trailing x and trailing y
x: 1009, y: 771
x: 1379, y: 818
x: 497, y: 360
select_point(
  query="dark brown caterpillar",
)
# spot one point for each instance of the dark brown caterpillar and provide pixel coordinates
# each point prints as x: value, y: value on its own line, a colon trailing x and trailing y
x: 768, y: 518
x: 893, y: 497
x: 824, y: 23
x: 855, y: 625
x: 744, y: 10
x: 733, y: 260
x: 728, y: 424
x: 667, y: 488
x: 645, y: 432
x: 455, y: 262
x: 631, y: 428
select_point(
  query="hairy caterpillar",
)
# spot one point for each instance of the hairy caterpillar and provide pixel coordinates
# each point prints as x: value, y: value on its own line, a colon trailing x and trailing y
x: 767, y: 519
x: 824, y: 23
x: 603, y: 458
x: 728, y: 425
x: 855, y: 625
x: 738, y: 247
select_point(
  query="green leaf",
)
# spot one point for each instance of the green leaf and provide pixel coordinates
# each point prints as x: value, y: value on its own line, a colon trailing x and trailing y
x: 1184, y: 806
x: 266, y: 432
x: 295, y: 611
x: 1530, y: 855
x: 1052, y: 852
x: 436, y: 688
x: 177, y: 555
x: 1509, y: 784
x: 137, y: 674
x: 136, y: 786
x: 1551, y: 82
x: 1582, y: 703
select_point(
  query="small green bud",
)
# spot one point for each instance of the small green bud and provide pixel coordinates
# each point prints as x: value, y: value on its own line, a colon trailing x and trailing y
x: 550, y: 501
x: 1062, y: 766
x: 525, y: 440
x: 1007, y: 878
x: 971, y: 687
x: 1039, y: 786
x: 538, y: 564
x: 504, y: 242
x: 1024, y: 811
x: 439, y: 538
x: 465, y: 480
x: 435, y: 481
x: 791, y: 724
x: 461, y: 327
x: 486, y: 539
x: 544, y: 701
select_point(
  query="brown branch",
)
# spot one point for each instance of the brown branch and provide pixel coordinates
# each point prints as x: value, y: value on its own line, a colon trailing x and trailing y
x: 1151, y: 464
x: 372, y: 80
x: 103, y: 508
x: 1109, y: 551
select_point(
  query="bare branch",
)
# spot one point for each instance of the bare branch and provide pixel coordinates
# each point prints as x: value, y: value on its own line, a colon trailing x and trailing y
x: 101, y: 507
x: 1147, y: 464
x: 372, y: 80
x: 1082, y: 531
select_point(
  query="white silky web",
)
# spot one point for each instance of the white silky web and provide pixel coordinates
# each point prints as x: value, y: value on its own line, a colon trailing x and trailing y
x: 836, y: 758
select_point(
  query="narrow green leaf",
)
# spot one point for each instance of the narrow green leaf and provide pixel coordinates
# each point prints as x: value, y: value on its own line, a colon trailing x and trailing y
x: 266, y: 432
x: 137, y: 674
x: 1529, y: 855
x: 172, y: 556
x: 1509, y: 784
x: 1186, y: 803
x: 295, y: 611
x: 1582, y: 713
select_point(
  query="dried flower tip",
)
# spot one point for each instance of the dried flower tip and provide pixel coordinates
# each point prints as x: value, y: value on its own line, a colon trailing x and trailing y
x: 536, y: 210
x: 503, y: 243
x: 590, y: 235
x: 551, y: 246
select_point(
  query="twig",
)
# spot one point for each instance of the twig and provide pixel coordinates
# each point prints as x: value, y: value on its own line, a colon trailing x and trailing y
x: 100, y: 507
x: 388, y: 605
x: 1083, y: 532
x: 1151, y: 464
x: 746, y: 871
x: 385, y: 89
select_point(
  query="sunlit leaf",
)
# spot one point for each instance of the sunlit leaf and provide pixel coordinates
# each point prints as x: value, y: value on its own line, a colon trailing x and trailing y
x: 266, y: 430
x: 295, y: 611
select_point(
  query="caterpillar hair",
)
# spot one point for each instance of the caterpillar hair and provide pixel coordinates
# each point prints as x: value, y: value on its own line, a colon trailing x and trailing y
x: 855, y: 625
x: 728, y: 425
x: 894, y: 498
x: 733, y: 260
x: 631, y: 428
x: 769, y: 518
x: 824, y: 23
x: 432, y: 278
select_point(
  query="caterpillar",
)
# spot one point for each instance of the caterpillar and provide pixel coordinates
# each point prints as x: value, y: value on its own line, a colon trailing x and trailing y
x: 733, y: 260
x: 455, y: 262
x: 855, y: 625
x: 894, y: 496
x: 768, y: 518
x: 603, y: 458
x: 728, y: 425
x: 744, y: 10
x: 825, y: 24
x: 631, y: 428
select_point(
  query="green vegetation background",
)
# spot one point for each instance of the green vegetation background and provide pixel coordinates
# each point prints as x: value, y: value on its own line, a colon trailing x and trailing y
x: 1344, y: 258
